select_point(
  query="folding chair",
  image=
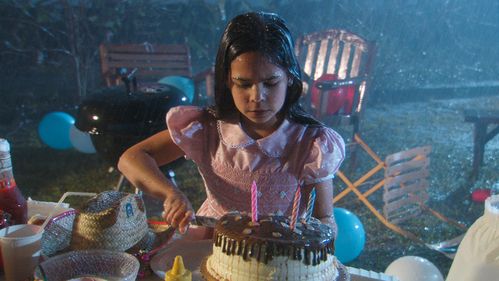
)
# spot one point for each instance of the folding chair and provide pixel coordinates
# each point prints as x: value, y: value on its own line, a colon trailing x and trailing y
x: 337, y: 73
x: 337, y: 58
x: 405, y: 184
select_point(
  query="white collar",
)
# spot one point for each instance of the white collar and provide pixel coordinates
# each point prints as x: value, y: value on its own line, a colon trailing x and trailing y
x: 232, y: 135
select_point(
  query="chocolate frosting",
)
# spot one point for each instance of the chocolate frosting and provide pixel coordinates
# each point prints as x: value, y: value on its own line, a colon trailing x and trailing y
x: 310, y: 242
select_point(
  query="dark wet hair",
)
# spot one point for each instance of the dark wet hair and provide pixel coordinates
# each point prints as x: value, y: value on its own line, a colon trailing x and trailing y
x: 267, y: 34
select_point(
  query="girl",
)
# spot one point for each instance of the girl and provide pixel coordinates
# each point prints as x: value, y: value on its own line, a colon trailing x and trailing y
x: 256, y: 131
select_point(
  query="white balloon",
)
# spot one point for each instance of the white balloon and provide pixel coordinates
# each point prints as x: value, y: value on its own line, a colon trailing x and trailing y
x: 413, y: 268
x: 81, y: 141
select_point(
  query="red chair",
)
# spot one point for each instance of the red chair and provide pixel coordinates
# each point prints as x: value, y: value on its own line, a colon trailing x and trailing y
x: 336, y: 67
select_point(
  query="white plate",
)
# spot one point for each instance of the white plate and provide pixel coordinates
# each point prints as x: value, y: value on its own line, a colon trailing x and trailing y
x: 193, y: 252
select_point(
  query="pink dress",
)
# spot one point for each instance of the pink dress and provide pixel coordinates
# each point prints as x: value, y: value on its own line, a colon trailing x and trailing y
x: 229, y: 160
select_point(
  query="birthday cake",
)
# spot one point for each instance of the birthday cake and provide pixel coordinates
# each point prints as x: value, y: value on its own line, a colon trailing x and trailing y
x: 270, y: 249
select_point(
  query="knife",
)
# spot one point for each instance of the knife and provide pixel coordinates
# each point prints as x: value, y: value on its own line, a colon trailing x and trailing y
x: 204, y: 221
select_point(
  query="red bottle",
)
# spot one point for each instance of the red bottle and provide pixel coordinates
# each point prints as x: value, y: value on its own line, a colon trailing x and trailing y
x: 4, y: 222
x: 11, y: 199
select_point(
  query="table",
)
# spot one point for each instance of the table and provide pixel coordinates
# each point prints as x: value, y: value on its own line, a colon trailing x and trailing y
x: 356, y: 274
x: 191, y: 247
x: 149, y: 278
x: 481, y: 120
x: 197, y: 234
x: 153, y: 277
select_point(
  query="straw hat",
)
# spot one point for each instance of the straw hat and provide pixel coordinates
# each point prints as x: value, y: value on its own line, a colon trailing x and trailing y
x: 111, y: 220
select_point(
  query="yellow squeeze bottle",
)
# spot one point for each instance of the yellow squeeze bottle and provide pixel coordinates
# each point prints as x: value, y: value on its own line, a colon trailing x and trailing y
x: 178, y: 271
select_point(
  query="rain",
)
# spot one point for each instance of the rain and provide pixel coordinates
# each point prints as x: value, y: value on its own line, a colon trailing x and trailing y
x: 433, y: 70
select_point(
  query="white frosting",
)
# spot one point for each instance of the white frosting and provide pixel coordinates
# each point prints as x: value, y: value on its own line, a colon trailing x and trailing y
x: 235, y: 268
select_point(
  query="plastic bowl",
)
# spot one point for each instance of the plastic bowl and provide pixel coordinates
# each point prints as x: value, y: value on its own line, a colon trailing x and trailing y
x: 105, y: 264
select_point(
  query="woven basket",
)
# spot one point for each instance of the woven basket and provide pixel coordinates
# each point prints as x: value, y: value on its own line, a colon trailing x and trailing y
x: 105, y: 264
x: 57, y: 234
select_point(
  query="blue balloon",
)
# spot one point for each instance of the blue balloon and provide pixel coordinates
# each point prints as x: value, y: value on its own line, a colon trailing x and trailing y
x: 54, y: 130
x: 351, y: 235
x: 182, y: 83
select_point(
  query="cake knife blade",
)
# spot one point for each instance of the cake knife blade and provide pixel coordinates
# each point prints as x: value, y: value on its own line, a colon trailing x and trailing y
x: 204, y: 221
x: 201, y: 220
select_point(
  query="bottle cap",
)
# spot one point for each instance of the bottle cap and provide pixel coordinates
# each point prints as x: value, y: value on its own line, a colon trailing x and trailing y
x: 4, y: 145
x: 178, y: 271
x: 492, y: 204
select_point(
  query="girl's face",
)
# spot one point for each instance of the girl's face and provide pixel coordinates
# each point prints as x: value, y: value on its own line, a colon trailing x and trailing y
x: 259, y: 89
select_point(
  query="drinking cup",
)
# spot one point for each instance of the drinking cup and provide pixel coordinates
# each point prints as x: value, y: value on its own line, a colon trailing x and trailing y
x: 21, y: 248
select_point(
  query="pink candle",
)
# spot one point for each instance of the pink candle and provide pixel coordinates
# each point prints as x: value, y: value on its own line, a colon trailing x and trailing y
x: 296, y: 208
x: 254, y: 202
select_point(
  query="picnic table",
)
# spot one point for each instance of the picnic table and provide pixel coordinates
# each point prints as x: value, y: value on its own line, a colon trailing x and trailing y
x: 153, y: 277
x: 356, y: 274
x: 193, y: 246
x: 481, y: 120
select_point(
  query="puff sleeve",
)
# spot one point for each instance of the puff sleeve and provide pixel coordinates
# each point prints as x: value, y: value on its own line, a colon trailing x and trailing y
x: 188, y: 130
x: 326, y: 155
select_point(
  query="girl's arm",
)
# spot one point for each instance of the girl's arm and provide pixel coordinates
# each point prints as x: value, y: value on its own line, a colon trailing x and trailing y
x: 140, y: 165
x: 323, y: 209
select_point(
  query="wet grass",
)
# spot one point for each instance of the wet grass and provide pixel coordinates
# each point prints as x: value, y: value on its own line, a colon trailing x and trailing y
x: 45, y: 174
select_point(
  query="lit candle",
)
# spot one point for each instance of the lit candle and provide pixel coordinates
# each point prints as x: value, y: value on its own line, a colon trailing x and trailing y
x: 310, y: 205
x: 254, y: 202
x: 296, y: 208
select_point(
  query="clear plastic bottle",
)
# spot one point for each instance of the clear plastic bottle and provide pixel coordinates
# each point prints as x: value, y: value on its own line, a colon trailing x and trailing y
x: 12, y: 200
x: 477, y: 257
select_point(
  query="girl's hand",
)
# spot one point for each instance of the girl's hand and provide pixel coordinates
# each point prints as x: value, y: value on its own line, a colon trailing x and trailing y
x: 329, y: 220
x: 323, y: 209
x: 178, y: 210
